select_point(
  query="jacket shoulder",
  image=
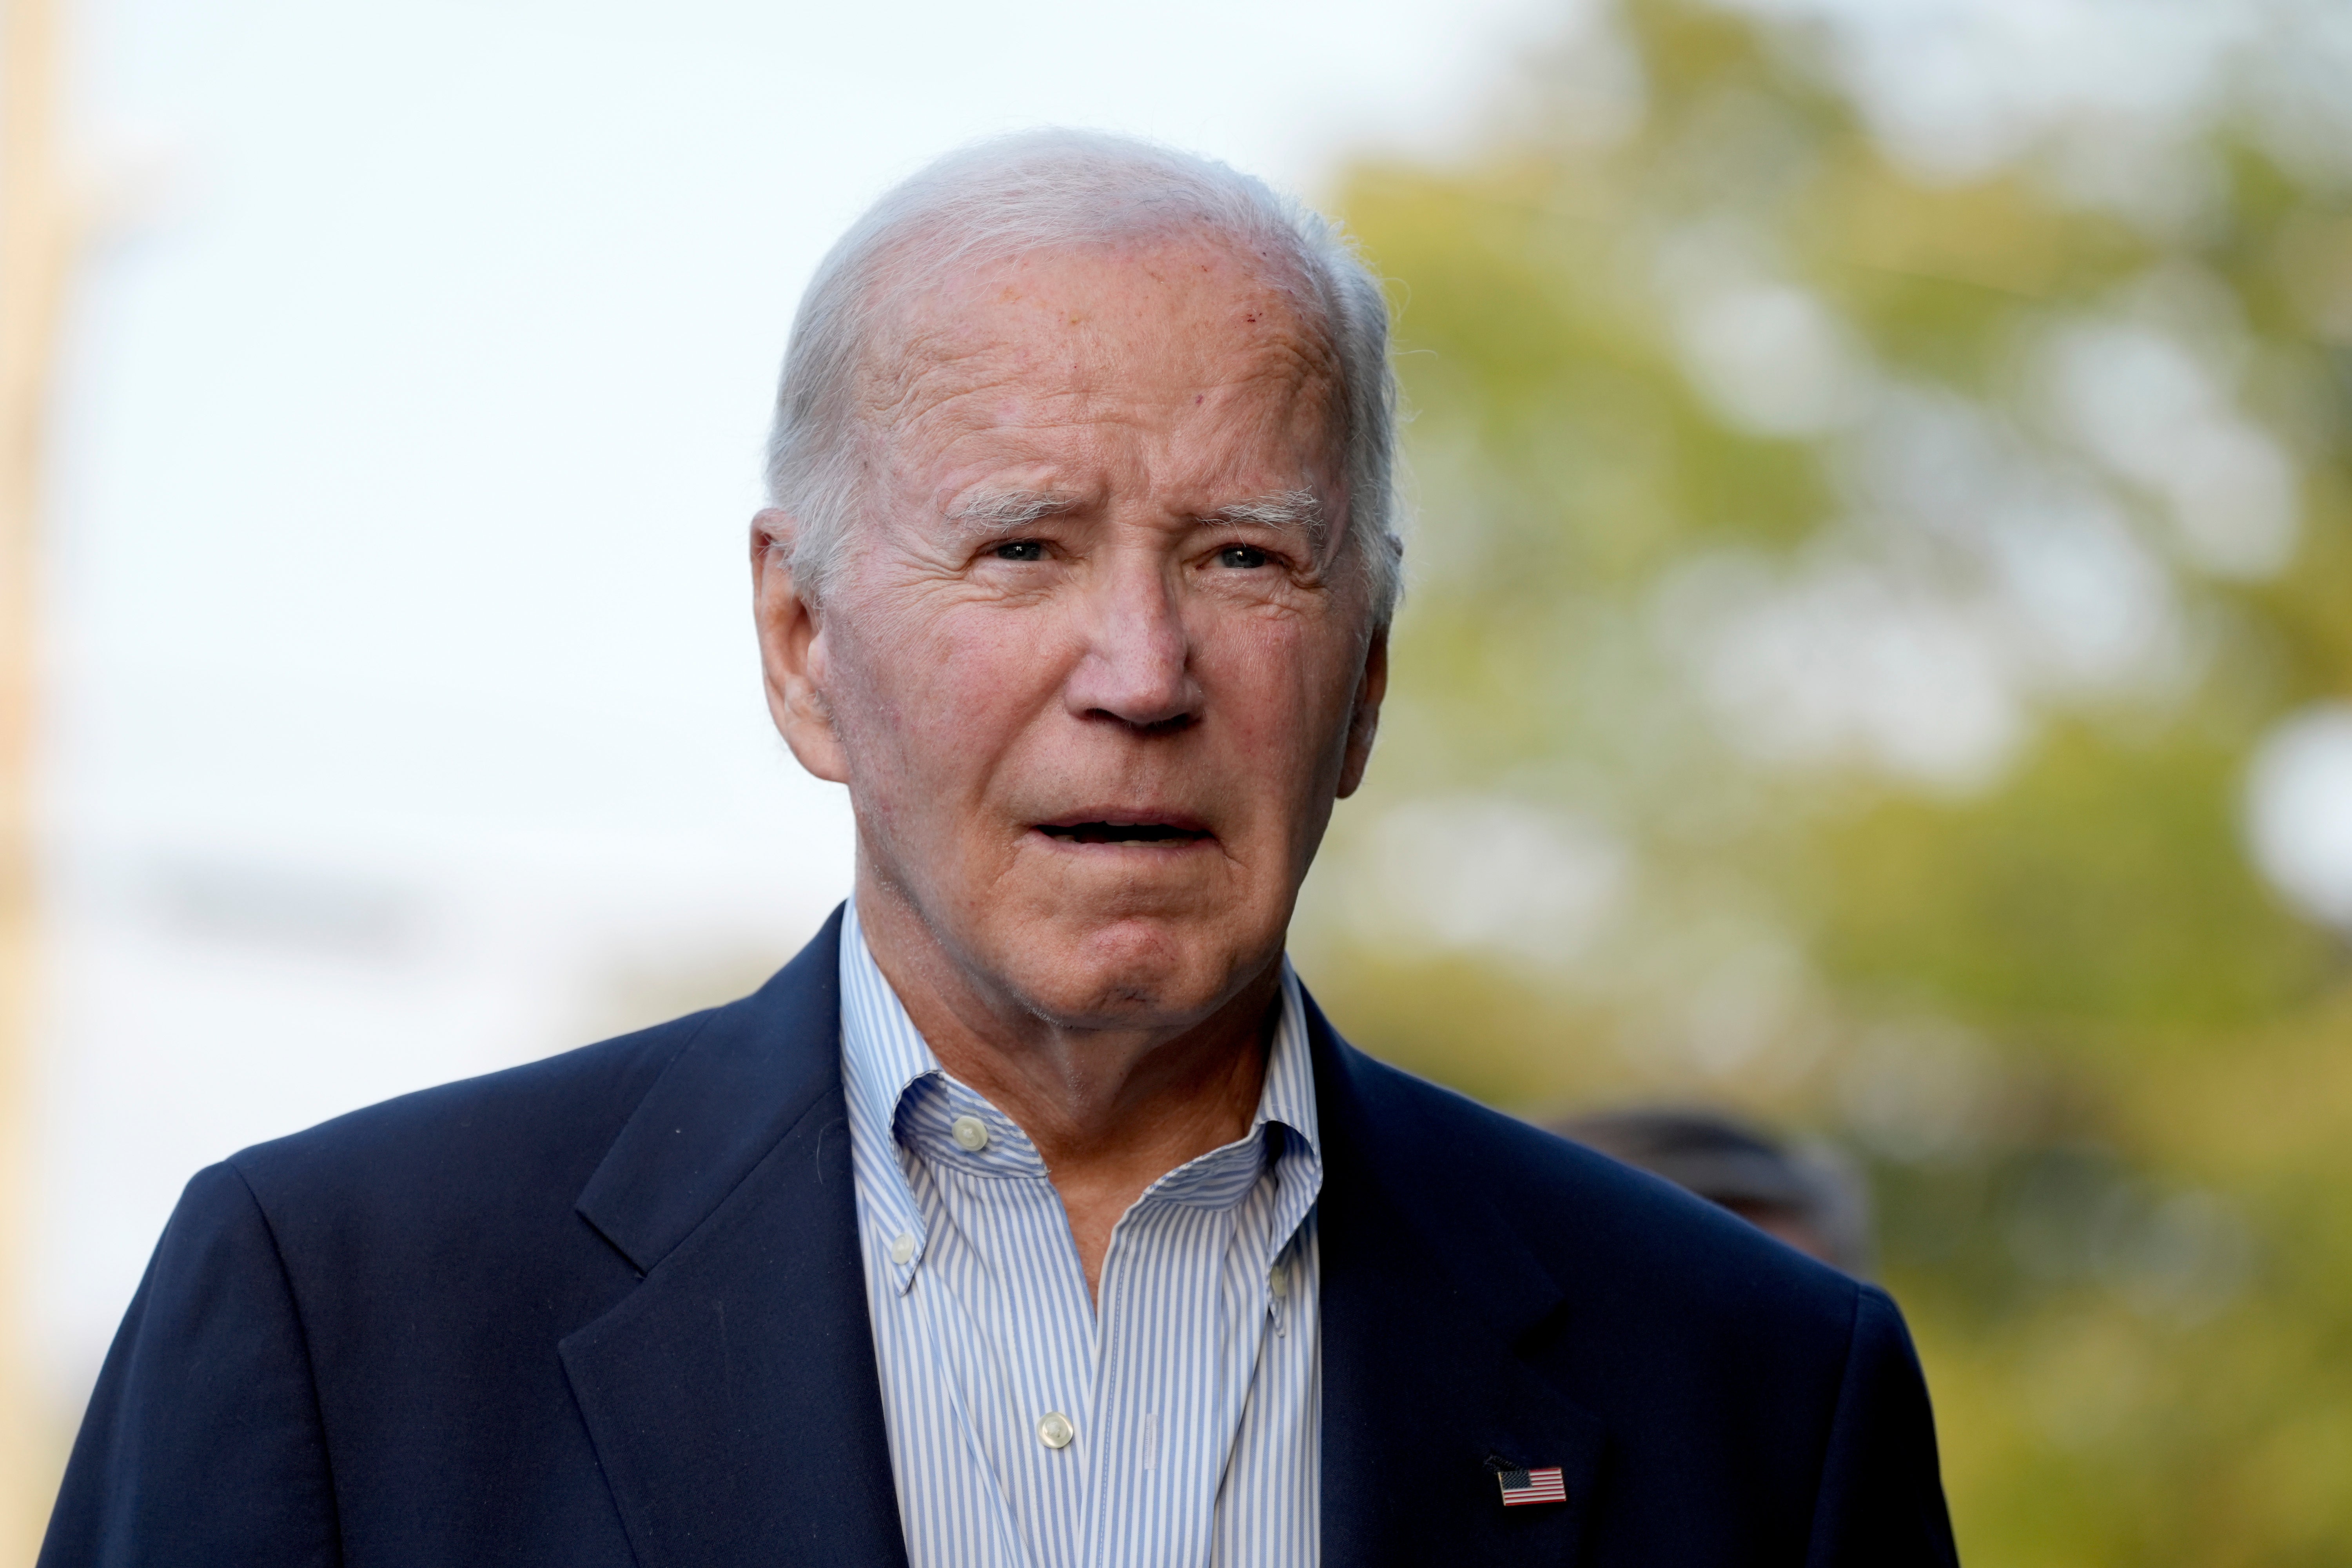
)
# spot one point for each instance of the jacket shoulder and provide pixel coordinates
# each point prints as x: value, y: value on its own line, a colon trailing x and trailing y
x: 1621, y: 1238
x: 538, y: 1128
x: 478, y: 1179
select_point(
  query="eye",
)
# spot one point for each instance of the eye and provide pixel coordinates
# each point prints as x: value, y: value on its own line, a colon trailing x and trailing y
x: 1242, y: 557
x: 1021, y: 549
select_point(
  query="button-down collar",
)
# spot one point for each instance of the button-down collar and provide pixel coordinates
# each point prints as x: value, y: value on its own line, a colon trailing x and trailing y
x: 893, y: 1080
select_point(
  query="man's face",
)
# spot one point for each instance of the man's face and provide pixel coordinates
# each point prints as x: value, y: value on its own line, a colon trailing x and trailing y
x: 1097, y: 664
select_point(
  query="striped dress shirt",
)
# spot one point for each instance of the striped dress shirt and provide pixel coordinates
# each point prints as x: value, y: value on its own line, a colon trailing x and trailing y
x: 1176, y: 1425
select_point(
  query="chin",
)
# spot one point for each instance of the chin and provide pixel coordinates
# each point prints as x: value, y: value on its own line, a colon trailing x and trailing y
x: 1134, y: 974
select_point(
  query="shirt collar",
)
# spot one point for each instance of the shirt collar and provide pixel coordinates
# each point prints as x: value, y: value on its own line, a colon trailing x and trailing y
x: 882, y: 1053
x: 1288, y: 1095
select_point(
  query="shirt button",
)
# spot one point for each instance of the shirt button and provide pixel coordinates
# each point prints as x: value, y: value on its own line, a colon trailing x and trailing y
x: 1280, y: 1282
x: 902, y: 1247
x: 1056, y: 1431
x: 971, y: 1134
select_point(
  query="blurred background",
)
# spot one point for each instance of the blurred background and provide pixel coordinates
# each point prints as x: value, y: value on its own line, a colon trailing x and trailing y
x: 1878, y: 660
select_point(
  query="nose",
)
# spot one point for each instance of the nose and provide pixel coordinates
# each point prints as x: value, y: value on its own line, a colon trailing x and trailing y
x: 1137, y: 664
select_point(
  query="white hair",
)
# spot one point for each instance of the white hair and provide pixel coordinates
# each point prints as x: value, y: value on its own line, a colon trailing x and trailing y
x: 1055, y: 189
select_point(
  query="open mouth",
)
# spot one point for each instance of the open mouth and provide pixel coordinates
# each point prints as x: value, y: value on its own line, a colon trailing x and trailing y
x: 1127, y: 835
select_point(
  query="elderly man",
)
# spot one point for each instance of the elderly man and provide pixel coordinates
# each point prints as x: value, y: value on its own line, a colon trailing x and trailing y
x: 1033, y: 1215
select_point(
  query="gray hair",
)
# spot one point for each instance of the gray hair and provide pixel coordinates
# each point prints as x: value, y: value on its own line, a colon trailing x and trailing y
x: 1051, y: 189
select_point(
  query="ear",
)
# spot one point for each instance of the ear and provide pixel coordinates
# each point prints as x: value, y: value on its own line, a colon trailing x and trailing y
x: 1364, y: 721
x: 791, y: 651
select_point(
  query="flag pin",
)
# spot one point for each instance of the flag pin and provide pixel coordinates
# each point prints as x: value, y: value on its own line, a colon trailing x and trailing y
x: 1521, y: 1488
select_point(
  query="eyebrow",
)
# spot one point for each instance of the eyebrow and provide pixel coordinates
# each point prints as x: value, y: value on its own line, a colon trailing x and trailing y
x: 1008, y: 512
x: 1288, y: 512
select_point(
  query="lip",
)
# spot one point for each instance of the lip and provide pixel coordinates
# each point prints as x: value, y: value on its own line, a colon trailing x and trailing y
x: 1097, y: 828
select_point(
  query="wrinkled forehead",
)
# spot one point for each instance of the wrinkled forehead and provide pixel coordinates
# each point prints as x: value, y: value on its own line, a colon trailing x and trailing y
x: 1084, y: 321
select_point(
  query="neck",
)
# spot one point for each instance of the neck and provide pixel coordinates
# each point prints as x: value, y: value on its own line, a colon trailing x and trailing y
x: 1111, y: 1109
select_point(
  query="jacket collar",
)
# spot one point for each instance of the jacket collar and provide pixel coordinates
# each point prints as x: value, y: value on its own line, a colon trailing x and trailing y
x: 747, y: 1076
x: 732, y: 1396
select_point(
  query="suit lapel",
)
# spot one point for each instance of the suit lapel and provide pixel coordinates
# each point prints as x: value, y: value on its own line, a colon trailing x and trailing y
x: 732, y: 1395
x: 1427, y: 1306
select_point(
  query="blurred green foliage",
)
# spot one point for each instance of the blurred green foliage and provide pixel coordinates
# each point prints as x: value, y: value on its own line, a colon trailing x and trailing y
x: 1847, y: 599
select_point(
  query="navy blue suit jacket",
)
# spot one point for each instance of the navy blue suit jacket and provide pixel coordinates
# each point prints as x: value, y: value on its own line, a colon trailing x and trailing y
x: 606, y: 1309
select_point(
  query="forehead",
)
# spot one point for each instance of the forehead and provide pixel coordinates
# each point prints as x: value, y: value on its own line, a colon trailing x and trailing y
x: 1142, y: 335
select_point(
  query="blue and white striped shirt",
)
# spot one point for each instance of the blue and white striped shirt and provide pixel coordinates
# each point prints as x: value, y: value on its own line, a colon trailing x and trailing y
x: 1179, y: 1425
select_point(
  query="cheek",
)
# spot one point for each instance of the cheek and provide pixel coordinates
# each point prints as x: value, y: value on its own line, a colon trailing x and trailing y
x: 1288, y: 685
x: 938, y: 696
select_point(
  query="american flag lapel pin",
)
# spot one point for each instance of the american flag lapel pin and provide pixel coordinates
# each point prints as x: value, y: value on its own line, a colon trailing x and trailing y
x: 1521, y: 1488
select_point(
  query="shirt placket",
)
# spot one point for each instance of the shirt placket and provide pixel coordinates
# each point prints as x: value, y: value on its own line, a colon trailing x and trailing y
x: 1183, y: 1312
x: 1017, y: 1305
